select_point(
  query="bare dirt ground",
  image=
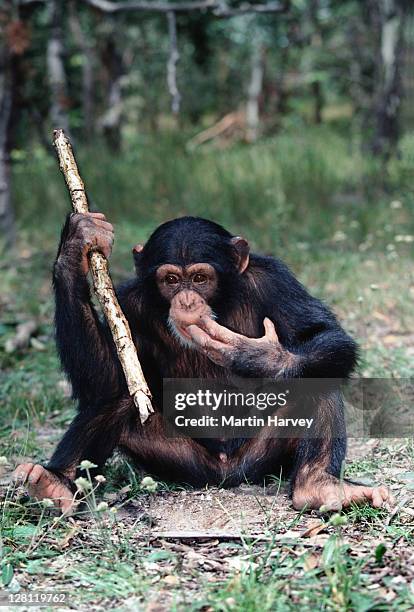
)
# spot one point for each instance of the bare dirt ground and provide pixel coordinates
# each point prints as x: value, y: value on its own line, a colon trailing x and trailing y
x: 241, y: 512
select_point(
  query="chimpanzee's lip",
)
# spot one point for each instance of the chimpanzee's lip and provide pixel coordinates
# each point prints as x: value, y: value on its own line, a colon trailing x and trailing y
x: 183, y: 331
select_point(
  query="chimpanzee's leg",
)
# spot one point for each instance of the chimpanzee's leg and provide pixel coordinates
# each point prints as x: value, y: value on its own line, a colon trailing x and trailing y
x: 314, y: 464
x: 90, y: 436
x: 180, y: 460
x: 316, y: 480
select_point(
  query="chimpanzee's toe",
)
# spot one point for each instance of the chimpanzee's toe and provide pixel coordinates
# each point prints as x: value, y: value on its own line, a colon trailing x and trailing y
x: 42, y: 484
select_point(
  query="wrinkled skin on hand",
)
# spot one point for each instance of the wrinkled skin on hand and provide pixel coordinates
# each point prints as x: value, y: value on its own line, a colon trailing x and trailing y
x: 86, y: 232
x: 263, y: 356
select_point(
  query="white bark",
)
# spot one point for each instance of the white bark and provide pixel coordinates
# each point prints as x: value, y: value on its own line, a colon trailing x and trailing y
x: 389, y: 43
x: 218, y: 7
x: 173, y: 58
x: 389, y: 92
x: 104, y: 289
x: 56, y: 69
x: 254, y: 92
x: 88, y: 67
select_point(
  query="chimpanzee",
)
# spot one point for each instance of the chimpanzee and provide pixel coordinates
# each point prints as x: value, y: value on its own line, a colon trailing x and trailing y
x: 200, y: 306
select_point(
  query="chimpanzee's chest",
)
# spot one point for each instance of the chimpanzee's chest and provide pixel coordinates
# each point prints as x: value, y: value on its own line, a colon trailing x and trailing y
x: 189, y: 363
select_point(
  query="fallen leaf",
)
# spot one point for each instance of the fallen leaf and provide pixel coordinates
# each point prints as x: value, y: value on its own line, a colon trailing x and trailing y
x: 171, y: 580
x: 314, y: 527
x: 64, y: 542
x: 241, y: 565
x: 310, y: 563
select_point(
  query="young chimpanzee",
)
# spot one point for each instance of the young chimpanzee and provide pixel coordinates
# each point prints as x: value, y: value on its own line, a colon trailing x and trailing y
x: 197, y: 308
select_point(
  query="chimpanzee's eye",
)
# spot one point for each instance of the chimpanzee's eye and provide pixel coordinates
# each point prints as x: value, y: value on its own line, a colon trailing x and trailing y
x: 199, y: 278
x: 172, y: 279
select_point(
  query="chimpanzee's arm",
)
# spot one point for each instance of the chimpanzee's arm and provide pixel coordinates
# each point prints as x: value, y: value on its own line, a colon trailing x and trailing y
x: 316, y: 345
x: 330, y: 353
x: 310, y: 343
x: 85, y: 346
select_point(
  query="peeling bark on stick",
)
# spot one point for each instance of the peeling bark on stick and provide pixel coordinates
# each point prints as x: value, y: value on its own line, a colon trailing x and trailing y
x: 103, y: 287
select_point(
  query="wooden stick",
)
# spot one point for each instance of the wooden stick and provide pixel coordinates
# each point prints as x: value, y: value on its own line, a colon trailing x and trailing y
x: 103, y: 286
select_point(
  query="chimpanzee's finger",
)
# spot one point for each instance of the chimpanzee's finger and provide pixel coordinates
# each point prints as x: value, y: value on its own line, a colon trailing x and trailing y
x: 104, y: 242
x: 22, y: 472
x: 203, y: 340
x: 96, y: 215
x: 98, y: 237
x: 102, y: 224
x: 270, y: 331
x: 218, y: 332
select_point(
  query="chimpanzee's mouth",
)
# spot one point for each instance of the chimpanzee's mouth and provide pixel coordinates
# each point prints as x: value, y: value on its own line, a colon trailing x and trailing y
x: 180, y: 333
x: 183, y: 332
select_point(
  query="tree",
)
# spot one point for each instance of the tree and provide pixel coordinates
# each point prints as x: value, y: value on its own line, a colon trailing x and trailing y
x: 389, y: 14
x: 14, y: 40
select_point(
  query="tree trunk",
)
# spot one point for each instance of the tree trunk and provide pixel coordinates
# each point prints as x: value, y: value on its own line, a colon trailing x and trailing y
x: 173, y: 57
x: 254, y: 93
x: 7, y: 225
x: 389, y: 95
x: 88, y: 64
x: 316, y: 45
x: 318, y: 101
x: 7, y: 221
x: 111, y: 120
x: 56, y: 68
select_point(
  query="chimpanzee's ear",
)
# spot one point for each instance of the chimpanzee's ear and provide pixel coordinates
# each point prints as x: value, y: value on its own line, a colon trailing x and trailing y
x: 137, y: 254
x: 242, y: 250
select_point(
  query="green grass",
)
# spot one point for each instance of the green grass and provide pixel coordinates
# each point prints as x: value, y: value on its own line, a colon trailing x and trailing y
x: 337, y: 219
x: 305, y: 186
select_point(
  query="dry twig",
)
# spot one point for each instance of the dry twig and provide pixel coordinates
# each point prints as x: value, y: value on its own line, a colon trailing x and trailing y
x: 21, y: 339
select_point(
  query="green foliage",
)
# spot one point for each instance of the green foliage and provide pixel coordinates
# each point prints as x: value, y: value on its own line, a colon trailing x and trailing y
x: 293, y: 190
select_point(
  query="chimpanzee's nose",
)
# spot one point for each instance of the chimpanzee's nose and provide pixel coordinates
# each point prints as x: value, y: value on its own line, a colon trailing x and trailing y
x: 190, y: 301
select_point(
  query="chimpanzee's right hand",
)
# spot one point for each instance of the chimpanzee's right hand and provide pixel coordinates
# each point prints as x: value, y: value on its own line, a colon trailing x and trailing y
x: 84, y: 232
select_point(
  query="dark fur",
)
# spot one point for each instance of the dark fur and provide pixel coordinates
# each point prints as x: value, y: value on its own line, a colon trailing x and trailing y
x: 107, y: 417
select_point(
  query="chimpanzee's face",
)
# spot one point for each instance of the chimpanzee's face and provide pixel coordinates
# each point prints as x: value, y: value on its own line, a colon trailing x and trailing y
x: 198, y: 277
x: 190, y: 266
x: 189, y: 291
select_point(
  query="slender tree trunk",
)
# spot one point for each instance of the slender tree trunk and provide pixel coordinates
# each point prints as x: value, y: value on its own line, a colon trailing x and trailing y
x: 56, y: 68
x: 316, y: 44
x: 173, y: 57
x: 254, y: 93
x: 389, y: 95
x: 88, y: 64
x: 279, y: 94
x: 7, y: 224
x: 318, y: 101
x: 113, y: 68
x: 7, y: 220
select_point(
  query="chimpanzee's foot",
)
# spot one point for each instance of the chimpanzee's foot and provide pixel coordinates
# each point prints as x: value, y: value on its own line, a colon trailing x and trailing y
x: 333, y: 494
x: 41, y: 483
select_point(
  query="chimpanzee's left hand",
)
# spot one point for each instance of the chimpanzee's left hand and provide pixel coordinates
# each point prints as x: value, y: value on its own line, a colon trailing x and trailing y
x: 260, y: 357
